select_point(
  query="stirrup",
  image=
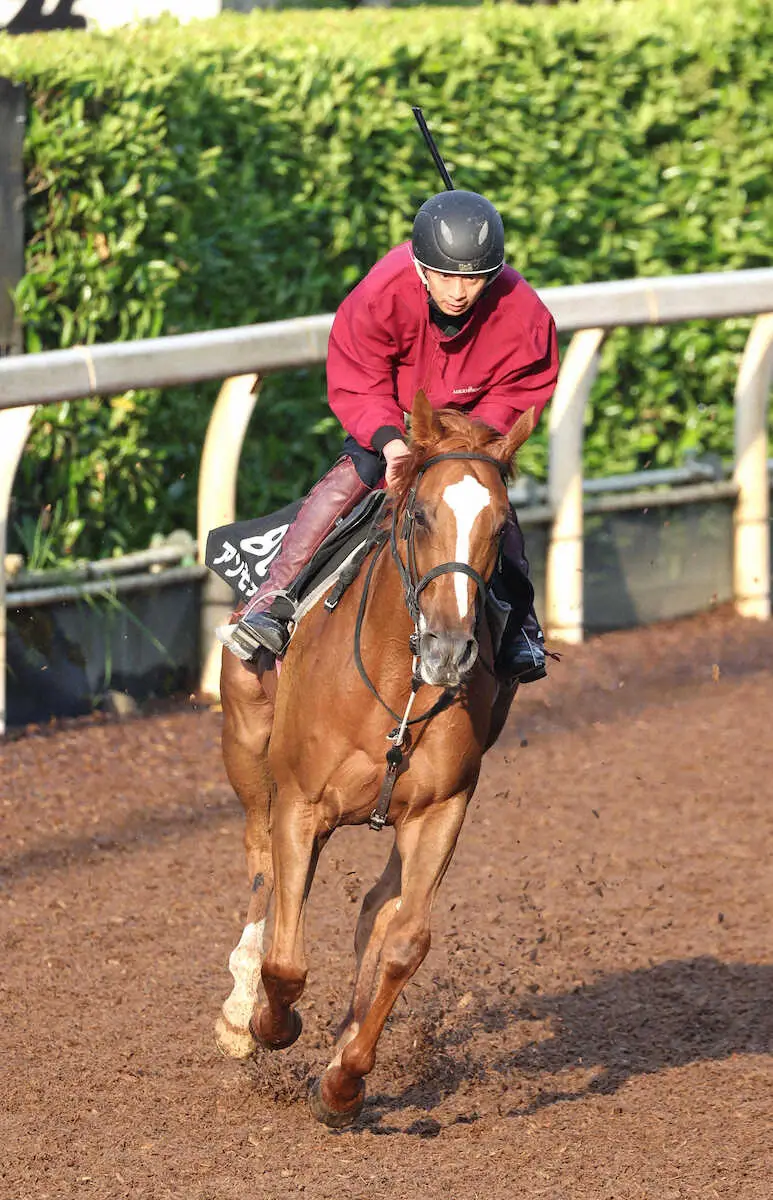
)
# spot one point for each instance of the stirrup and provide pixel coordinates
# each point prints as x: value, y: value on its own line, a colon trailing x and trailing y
x: 522, y: 661
x: 258, y: 632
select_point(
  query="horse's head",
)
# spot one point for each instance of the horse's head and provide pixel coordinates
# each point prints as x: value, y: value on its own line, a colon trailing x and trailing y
x: 451, y: 509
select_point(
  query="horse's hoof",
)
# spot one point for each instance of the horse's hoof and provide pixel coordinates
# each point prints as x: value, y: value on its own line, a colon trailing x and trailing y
x: 332, y: 1117
x: 233, y: 1042
x: 270, y: 1043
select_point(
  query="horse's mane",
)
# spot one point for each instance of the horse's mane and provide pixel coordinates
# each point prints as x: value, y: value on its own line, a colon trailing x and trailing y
x: 455, y: 433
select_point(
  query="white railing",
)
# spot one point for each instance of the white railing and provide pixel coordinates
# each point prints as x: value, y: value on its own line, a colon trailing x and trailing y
x: 243, y: 355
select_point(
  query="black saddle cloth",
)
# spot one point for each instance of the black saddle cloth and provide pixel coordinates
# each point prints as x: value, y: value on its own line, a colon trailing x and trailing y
x: 242, y: 553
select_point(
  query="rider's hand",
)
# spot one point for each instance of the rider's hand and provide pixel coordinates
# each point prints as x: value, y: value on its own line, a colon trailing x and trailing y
x: 393, y: 452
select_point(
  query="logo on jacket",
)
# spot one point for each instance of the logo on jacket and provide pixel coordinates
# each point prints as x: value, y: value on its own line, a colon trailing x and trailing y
x: 465, y: 391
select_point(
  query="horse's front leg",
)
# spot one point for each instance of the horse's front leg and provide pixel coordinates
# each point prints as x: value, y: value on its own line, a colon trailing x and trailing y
x: 426, y: 844
x: 297, y: 842
x: 377, y: 910
x: 247, y: 720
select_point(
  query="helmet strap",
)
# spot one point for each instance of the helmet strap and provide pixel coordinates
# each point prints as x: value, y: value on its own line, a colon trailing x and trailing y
x: 420, y: 273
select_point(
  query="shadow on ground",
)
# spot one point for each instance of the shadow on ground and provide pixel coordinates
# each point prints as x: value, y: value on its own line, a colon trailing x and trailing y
x: 133, y: 835
x: 626, y: 1024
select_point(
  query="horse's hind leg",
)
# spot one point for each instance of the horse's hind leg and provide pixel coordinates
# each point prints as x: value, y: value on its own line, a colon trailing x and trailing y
x: 247, y: 720
x: 426, y: 844
x: 232, y: 1028
x: 378, y: 908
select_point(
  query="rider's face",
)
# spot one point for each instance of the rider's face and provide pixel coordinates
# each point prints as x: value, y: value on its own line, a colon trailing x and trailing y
x: 454, y: 294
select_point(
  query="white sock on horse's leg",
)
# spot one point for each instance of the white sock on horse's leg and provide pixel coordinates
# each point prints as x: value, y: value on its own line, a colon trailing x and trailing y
x: 232, y: 1030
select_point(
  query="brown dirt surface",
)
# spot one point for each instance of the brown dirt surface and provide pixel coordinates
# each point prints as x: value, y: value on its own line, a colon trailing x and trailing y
x: 594, y: 1019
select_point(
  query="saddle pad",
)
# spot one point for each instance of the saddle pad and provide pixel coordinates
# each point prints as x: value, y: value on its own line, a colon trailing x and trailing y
x: 242, y: 553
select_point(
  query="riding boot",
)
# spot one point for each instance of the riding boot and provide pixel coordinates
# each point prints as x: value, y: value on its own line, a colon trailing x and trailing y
x: 263, y: 622
x: 521, y: 657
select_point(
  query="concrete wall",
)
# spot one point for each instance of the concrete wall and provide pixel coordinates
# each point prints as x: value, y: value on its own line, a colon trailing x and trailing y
x: 26, y: 15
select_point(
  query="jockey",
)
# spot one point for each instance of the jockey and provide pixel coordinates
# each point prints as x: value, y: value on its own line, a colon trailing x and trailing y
x: 445, y: 314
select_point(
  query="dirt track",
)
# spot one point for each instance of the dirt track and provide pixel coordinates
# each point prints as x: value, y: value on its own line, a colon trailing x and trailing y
x: 595, y: 1018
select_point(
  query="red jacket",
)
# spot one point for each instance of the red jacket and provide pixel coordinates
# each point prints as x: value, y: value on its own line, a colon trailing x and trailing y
x: 384, y: 347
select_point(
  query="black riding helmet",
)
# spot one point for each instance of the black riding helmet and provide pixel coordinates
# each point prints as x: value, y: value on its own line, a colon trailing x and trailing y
x: 460, y: 233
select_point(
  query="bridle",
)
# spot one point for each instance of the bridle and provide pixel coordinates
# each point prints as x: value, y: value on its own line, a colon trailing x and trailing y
x: 413, y: 584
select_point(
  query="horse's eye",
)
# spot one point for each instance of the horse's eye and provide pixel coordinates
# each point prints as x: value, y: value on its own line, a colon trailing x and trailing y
x: 420, y: 517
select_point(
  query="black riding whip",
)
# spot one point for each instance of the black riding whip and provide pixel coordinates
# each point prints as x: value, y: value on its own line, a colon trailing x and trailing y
x: 428, y: 138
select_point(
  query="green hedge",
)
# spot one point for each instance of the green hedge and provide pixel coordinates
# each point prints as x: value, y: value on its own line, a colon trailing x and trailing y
x: 252, y: 168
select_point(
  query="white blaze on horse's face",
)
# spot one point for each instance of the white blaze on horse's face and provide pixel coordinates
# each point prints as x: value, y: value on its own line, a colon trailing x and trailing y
x: 467, y: 500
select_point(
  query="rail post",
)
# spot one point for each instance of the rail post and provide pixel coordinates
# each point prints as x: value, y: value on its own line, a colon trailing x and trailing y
x: 751, y: 523
x: 218, y: 475
x: 14, y: 427
x: 564, y: 567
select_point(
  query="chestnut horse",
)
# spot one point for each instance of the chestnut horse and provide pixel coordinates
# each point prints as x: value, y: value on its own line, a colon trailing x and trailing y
x: 305, y: 749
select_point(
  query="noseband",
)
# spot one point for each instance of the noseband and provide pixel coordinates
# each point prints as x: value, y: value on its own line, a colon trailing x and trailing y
x: 413, y: 584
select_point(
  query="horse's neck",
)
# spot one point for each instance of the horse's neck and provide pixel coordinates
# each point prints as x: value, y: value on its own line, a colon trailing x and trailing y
x: 388, y: 586
x: 385, y: 626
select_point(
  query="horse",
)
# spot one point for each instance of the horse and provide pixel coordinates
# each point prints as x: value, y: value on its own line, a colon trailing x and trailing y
x: 304, y: 747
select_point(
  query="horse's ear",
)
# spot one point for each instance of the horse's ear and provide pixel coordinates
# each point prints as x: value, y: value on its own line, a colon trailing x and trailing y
x: 425, y: 427
x: 504, y: 449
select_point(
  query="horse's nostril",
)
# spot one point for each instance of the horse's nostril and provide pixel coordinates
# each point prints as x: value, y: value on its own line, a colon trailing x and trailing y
x: 447, y: 653
x: 469, y: 655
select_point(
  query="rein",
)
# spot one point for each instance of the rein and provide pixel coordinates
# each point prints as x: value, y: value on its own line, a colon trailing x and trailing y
x: 413, y: 585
